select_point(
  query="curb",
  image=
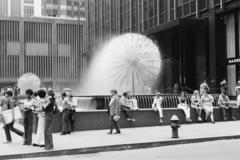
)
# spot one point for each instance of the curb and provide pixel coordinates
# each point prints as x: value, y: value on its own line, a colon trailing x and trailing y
x: 120, y: 147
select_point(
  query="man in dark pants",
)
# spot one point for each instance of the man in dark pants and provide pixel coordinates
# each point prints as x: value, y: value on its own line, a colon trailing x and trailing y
x: 9, y: 103
x: 72, y: 111
x: 66, y: 126
x: 223, y: 102
x: 114, y: 111
x: 125, y: 107
x: 28, y: 105
x: 49, y: 110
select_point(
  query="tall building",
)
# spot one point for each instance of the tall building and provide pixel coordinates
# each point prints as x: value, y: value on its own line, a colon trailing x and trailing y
x: 16, y: 8
x: 64, y: 8
x: 71, y: 9
x: 49, y: 48
x: 195, y: 37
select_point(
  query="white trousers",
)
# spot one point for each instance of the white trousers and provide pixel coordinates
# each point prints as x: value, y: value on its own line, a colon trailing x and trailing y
x: 185, y: 109
x: 159, y: 109
x: 40, y: 131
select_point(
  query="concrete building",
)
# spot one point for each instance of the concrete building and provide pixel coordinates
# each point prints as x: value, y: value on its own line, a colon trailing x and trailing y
x: 196, y: 37
x: 71, y: 9
x: 50, y: 48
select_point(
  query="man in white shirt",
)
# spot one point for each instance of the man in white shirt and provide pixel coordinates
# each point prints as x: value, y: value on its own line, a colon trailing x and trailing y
x: 126, y: 107
x: 157, y: 106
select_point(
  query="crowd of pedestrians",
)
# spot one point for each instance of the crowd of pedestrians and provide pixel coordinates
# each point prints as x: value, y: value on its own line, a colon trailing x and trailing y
x: 45, y: 105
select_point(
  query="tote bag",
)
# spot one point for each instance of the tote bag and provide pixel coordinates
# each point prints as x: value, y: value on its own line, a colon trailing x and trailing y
x: 17, y: 113
x: 8, y: 116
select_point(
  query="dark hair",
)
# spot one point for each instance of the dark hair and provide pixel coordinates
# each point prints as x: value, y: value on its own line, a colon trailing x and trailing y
x: 64, y: 94
x: 71, y: 96
x: 35, y: 94
x: 125, y: 93
x: 184, y: 94
x: 114, y: 91
x: 42, y: 93
x: 9, y: 93
x: 29, y: 92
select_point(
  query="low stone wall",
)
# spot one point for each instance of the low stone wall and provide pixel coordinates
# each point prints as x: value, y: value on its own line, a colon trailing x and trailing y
x: 99, y: 119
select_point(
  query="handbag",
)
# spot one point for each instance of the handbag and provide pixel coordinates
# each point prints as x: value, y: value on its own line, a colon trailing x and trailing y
x: 116, y: 118
x: 17, y: 114
x: 8, y: 116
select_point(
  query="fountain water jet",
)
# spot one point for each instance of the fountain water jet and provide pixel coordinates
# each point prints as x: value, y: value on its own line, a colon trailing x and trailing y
x: 128, y: 62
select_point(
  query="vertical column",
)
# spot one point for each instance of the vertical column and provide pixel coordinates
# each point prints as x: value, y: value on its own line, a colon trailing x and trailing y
x: 175, y: 9
x: 21, y: 41
x: 222, y: 4
x: 54, y: 53
x: 212, y: 45
x: 197, y: 9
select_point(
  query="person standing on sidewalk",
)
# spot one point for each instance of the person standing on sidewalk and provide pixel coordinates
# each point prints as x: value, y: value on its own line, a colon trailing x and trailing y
x: 27, y: 107
x: 49, y: 110
x: 157, y: 105
x: 114, y: 111
x: 125, y: 107
x: 72, y: 111
x: 66, y: 126
x: 7, y: 103
x: 40, y: 100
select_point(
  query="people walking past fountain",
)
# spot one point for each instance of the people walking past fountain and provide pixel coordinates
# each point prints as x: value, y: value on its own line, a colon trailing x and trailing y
x: 28, y: 106
x: 182, y: 99
x: 49, y: 110
x: 207, y: 103
x: 204, y: 86
x: 223, y: 103
x: 157, y: 106
x: 40, y: 101
x: 126, y: 107
x: 8, y: 103
x: 66, y: 126
x: 196, y: 104
x: 114, y: 111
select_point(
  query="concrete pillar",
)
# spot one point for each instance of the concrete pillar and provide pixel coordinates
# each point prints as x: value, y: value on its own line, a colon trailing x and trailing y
x: 212, y: 45
x: 21, y: 41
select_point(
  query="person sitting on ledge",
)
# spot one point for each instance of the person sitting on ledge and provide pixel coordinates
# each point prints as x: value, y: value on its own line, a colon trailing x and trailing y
x: 157, y: 105
x: 126, y: 107
x: 207, y: 103
x: 184, y: 106
x: 223, y: 102
x: 196, y: 104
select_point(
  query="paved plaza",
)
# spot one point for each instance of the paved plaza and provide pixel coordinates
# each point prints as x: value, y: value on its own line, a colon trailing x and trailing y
x: 129, y: 136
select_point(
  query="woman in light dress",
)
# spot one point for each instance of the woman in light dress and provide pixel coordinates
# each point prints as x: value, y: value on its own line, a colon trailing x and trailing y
x: 207, y: 104
x: 41, y: 101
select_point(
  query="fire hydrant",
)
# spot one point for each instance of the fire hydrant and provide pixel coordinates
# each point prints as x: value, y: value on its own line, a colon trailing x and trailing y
x: 175, y: 125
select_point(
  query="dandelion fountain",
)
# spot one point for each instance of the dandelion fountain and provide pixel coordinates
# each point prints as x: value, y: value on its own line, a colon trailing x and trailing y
x: 128, y: 62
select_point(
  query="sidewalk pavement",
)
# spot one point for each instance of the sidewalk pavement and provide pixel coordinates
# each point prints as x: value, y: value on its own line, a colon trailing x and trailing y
x: 130, y: 136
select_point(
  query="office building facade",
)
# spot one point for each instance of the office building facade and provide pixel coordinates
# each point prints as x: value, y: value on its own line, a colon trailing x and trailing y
x: 51, y: 49
x: 70, y: 9
x: 195, y: 37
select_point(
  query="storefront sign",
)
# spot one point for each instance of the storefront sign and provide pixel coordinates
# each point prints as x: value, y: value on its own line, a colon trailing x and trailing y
x: 233, y: 61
